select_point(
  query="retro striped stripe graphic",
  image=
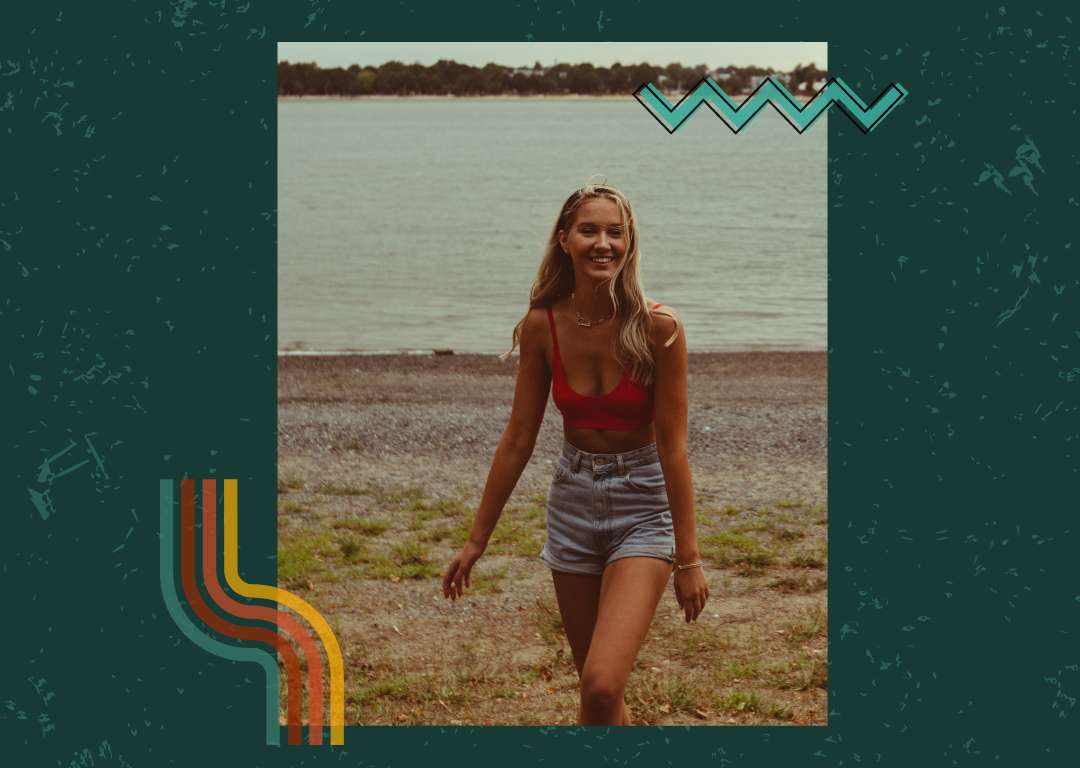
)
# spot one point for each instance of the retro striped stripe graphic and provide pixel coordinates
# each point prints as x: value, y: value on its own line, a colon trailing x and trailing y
x: 294, y: 603
x: 230, y: 607
x: 229, y: 629
x: 167, y: 578
x: 277, y: 618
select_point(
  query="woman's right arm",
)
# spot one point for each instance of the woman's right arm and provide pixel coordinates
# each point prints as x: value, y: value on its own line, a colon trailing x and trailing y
x: 515, y: 449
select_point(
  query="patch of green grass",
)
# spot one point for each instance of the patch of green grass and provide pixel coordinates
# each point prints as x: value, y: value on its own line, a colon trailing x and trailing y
x: 423, y: 510
x: 406, y: 560
x: 456, y: 533
x: 398, y: 687
x: 739, y: 701
x: 808, y: 625
x: 516, y: 536
x: 809, y: 559
x: 290, y: 507
x: 331, y: 489
x: 408, y: 494
x: 730, y: 548
x: 789, y: 505
x: 777, y: 712
x: 286, y: 484
x: 298, y: 559
x: 802, y: 584
x: 808, y: 673
x: 788, y: 535
x: 654, y: 697
x: 363, y: 526
x: 353, y: 550
x: 738, y: 670
x: 487, y: 582
x: 730, y: 511
x: 410, y: 553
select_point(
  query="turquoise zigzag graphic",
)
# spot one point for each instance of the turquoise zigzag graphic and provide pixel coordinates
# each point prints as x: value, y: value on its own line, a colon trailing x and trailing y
x: 771, y: 92
x: 167, y: 577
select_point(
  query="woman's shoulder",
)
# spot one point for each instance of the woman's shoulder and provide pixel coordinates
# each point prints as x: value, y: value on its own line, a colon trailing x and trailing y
x: 663, y: 324
x: 535, y: 325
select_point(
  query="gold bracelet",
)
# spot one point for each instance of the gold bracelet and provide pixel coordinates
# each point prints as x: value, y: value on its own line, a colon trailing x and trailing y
x: 688, y: 566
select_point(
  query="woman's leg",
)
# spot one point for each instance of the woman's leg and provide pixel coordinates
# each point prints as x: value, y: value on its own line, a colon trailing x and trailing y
x: 579, y: 597
x: 629, y: 592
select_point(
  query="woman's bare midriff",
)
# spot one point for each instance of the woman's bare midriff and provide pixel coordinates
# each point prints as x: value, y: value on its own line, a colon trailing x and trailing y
x: 609, y: 440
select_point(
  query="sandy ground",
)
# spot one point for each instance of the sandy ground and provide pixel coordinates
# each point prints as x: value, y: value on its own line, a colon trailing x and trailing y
x: 382, y: 459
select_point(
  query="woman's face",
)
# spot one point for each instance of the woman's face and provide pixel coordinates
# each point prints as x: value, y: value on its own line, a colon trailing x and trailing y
x: 596, y: 240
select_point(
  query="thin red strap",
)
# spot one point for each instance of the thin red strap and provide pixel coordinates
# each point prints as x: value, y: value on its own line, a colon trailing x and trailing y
x: 554, y: 338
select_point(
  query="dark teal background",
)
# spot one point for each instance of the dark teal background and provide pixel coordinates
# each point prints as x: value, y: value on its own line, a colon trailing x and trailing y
x: 138, y: 321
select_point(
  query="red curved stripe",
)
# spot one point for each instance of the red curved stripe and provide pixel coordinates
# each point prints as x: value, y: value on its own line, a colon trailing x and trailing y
x: 227, y: 628
x: 280, y: 618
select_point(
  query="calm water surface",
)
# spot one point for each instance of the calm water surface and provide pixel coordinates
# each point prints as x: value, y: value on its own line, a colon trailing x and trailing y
x: 414, y: 224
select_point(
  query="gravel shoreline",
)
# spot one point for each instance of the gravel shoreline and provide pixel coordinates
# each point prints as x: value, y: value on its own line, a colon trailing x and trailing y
x: 757, y: 422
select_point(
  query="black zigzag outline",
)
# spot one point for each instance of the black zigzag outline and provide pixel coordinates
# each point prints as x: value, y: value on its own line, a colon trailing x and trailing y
x: 783, y: 91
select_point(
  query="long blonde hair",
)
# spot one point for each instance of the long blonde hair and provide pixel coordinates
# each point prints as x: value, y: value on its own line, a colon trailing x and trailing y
x: 555, y: 280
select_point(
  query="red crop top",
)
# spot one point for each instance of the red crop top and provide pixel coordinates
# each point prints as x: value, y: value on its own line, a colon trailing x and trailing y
x: 628, y: 407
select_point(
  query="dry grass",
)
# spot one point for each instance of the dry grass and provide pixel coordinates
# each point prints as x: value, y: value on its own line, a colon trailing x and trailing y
x: 756, y: 656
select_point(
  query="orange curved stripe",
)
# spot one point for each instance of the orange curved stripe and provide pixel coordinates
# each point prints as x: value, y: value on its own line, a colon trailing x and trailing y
x: 295, y: 603
x: 287, y: 623
x: 227, y: 628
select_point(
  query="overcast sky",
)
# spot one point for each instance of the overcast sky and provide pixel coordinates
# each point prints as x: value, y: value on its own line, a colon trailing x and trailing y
x: 778, y: 56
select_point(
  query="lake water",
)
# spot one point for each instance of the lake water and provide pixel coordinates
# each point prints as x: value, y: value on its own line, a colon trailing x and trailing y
x: 419, y: 224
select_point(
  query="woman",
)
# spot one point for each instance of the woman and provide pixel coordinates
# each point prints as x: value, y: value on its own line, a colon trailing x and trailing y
x: 620, y: 509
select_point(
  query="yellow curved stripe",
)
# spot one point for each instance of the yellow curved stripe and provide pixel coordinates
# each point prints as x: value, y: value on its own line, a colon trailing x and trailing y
x: 297, y: 604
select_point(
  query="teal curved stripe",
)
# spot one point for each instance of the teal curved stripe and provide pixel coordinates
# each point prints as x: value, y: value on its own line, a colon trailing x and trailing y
x: 773, y: 93
x: 195, y: 635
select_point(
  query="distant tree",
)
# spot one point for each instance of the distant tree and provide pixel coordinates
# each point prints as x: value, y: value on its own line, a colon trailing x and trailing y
x: 364, y: 82
x: 619, y: 79
x: 582, y: 78
x: 521, y: 84
x: 449, y: 77
x: 643, y: 73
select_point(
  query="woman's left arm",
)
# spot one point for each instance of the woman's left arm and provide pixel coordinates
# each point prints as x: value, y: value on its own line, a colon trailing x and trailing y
x: 671, y: 427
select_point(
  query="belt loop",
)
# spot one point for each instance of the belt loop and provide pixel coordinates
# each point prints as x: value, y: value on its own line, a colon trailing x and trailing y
x: 622, y: 465
x: 577, y: 460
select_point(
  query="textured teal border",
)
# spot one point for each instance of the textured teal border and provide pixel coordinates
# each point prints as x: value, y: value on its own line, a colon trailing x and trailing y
x: 137, y: 231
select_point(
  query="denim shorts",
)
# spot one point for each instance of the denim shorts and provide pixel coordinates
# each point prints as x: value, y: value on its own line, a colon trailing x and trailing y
x: 606, y: 506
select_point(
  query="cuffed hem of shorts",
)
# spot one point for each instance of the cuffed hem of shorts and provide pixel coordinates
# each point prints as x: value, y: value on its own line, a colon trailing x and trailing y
x: 581, y: 569
x: 659, y: 555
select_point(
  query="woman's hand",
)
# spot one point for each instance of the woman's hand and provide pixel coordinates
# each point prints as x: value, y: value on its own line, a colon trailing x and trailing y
x: 691, y: 591
x: 457, y: 573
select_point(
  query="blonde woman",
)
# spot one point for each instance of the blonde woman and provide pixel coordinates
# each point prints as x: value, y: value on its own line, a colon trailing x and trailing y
x: 621, y: 506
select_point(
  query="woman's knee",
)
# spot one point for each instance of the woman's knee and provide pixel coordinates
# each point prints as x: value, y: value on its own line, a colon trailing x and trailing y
x: 601, y: 692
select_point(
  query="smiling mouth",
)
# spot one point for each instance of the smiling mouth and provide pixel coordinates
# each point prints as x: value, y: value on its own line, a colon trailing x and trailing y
x: 601, y: 259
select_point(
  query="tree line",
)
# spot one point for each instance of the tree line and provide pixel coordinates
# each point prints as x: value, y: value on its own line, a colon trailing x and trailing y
x: 448, y: 77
